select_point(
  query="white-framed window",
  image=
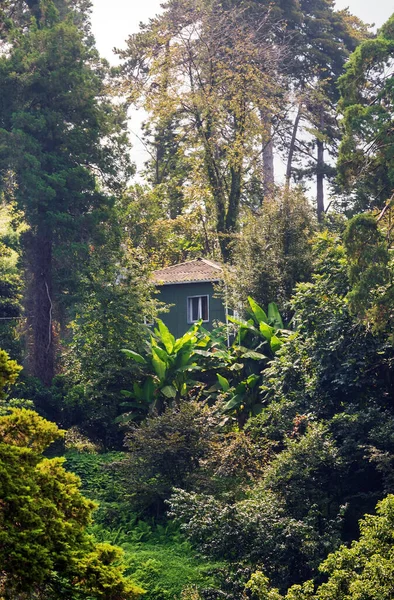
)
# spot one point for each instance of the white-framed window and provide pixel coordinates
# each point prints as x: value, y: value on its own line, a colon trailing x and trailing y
x: 197, y: 309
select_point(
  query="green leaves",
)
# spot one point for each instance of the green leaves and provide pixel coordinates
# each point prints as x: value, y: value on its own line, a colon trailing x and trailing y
x: 166, y: 337
x: 159, y: 365
x: 235, y: 403
x: 365, y: 570
x: 257, y: 311
x: 60, y: 134
x: 254, y: 355
x: 266, y: 330
x: 170, y: 363
x: 169, y: 391
x: 274, y: 317
x: 42, y: 499
x: 275, y: 343
x: 223, y: 382
x: 366, y: 105
x: 134, y: 355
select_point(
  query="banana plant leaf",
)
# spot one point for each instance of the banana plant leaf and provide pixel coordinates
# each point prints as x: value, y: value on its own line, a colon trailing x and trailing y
x: 257, y: 311
x: 274, y: 317
x: 223, y: 382
x: 168, y: 391
x: 165, y: 336
x: 135, y: 356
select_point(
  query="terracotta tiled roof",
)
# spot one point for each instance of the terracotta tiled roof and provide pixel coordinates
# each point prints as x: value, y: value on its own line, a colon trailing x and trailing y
x: 188, y: 272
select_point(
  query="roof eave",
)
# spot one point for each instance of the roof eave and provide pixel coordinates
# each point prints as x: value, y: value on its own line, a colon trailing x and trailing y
x: 185, y: 282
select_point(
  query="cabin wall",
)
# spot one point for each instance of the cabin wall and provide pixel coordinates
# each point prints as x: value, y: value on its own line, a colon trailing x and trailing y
x: 176, y: 318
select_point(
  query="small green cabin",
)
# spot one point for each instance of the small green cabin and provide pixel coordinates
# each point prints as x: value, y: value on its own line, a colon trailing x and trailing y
x: 189, y: 288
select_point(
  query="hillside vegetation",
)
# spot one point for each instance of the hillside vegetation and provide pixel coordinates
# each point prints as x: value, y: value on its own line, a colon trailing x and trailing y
x: 251, y: 461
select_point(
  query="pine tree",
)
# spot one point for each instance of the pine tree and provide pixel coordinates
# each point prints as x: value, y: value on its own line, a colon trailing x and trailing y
x: 66, y: 144
x: 366, y: 166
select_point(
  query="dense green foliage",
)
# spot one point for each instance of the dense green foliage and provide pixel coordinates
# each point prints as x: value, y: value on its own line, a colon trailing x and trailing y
x: 57, y: 130
x: 273, y: 251
x: 365, y: 159
x: 11, y: 285
x: 240, y: 463
x: 45, y: 547
x: 364, y: 569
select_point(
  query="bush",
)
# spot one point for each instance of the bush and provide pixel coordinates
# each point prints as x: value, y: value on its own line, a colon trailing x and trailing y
x: 164, y: 452
x: 256, y: 530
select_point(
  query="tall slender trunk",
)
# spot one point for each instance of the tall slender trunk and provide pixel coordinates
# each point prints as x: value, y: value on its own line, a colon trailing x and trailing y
x: 234, y: 199
x: 320, y: 181
x: 268, y: 168
x: 220, y: 199
x: 41, y: 321
x: 227, y: 197
x: 227, y: 204
x: 35, y: 9
x: 320, y: 172
x: 268, y: 156
x: 292, y: 146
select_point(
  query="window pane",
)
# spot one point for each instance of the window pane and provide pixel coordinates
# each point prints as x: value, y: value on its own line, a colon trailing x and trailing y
x: 195, y: 303
x: 204, y: 308
x: 197, y: 308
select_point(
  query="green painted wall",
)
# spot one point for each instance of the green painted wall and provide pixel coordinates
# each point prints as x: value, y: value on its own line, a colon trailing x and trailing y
x: 176, y: 318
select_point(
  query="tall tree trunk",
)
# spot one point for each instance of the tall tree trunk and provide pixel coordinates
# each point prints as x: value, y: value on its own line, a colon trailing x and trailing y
x: 268, y: 156
x: 219, y: 197
x: 43, y: 363
x: 227, y: 200
x: 320, y: 172
x: 226, y: 216
x: 34, y: 6
x: 292, y: 146
x: 231, y: 221
x: 320, y: 181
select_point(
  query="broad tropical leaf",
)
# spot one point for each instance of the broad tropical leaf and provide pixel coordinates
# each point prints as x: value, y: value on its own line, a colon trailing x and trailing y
x: 223, y: 382
x: 235, y: 402
x: 242, y: 324
x: 254, y: 355
x: 257, y: 311
x: 135, y: 356
x: 169, y: 391
x: 165, y: 336
x: 274, y: 317
x: 149, y: 390
x: 158, y: 365
x: 187, y: 337
x: 162, y: 354
x: 266, y: 330
x: 275, y: 343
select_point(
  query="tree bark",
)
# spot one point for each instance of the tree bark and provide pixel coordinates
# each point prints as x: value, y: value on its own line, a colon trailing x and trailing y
x: 41, y: 321
x: 34, y: 6
x: 227, y: 197
x: 231, y: 220
x: 320, y: 181
x: 320, y: 173
x: 268, y: 166
x: 268, y: 157
x: 226, y: 211
x: 292, y: 146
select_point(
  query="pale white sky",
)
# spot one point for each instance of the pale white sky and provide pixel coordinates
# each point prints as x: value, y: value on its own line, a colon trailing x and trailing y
x: 114, y: 20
